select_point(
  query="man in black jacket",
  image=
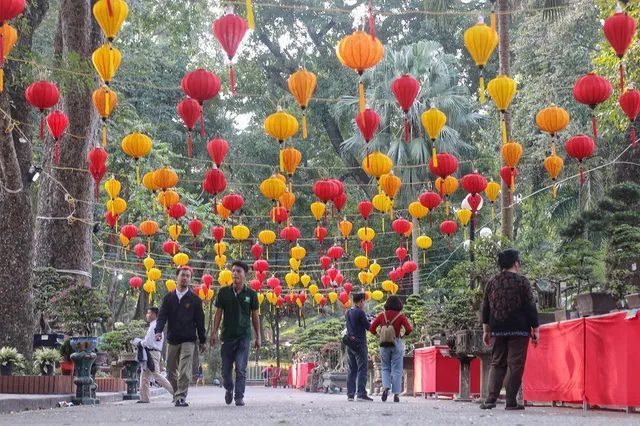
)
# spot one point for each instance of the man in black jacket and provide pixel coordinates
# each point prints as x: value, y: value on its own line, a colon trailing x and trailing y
x: 182, y: 309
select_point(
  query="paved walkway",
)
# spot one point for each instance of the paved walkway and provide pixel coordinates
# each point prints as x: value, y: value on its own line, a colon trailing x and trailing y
x: 291, y: 407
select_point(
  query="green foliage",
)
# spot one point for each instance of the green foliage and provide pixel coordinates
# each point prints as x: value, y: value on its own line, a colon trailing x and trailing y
x: 66, y: 350
x: 79, y: 307
x: 118, y: 341
x: 47, y: 283
x: 458, y: 313
x: 580, y: 265
x: 314, y: 338
x: 46, y: 356
x: 10, y: 356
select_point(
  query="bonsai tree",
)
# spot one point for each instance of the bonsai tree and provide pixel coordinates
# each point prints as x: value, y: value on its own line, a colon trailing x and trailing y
x: 580, y: 266
x: 78, y: 308
x: 47, y: 283
x: 45, y: 360
x: 118, y: 341
x: 10, y: 360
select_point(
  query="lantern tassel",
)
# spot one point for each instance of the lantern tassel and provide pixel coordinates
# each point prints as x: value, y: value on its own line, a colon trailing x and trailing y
x: 42, y: 125
x: 493, y: 212
x: 434, y: 157
x: 201, y: 124
x: 513, y: 181
x: 104, y: 135
x: 504, y: 130
x: 361, y: 90
x: 554, y: 190
x: 406, y: 129
x: 633, y: 135
x: 581, y: 175
x: 304, y: 124
x: 493, y: 16
x: 138, y: 172
x: 372, y: 28
x: 189, y: 145
x: 482, y: 98
x: 232, y: 79
x: 382, y: 223
x: 107, y: 103
x: 594, y: 124
x: 447, y: 207
x: 1, y: 80
x: 424, y: 257
x: 464, y: 233
x: 281, y: 159
x: 109, y: 8
x: 2, y: 47
x: 57, y: 152
x: 368, y: 155
x: 250, y: 19
x: 621, y: 78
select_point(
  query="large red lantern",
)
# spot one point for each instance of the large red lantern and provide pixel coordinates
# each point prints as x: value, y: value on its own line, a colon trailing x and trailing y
x: 260, y: 265
x: 474, y: 183
x: 448, y: 227
x: 170, y: 247
x: 592, y: 90
x: 509, y: 176
x: 42, y: 95
x: 580, y: 147
x: 340, y: 201
x: 177, y: 211
x: 619, y: 30
x: 335, y: 252
x: 325, y: 190
x: 229, y: 30
x: 290, y: 233
x: 218, y: 233
x: 189, y: 110
x: 233, y: 202
x: 401, y: 226
x: 201, y: 85
x: 630, y: 104
x: 57, y: 123
x: 430, y: 200
x: 218, y: 149
x: 320, y: 233
x: 257, y: 250
x: 405, y: 88
x: 214, y: 183
x: 447, y: 165
x: 368, y: 122
x: 279, y: 214
x: 135, y: 282
x: 195, y: 226
x: 97, y: 166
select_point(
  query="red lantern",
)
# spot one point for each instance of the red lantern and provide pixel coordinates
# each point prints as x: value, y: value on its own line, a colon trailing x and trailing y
x: 401, y: 252
x: 302, y: 297
x: 257, y: 250
x: 189, y: 110
x: 260, y: 265
x: 201, y: 85
x: 448, y: 227
x: 290, y: 233
x: 447, y: 165
x: 325, y: 262
x: 207, y: 280
x: 57, y: 123
x: 393, y: 275
x: 401, y: 226
x: 343, y: 297
x: 195, y: 226
x: 273, y: 282
x: 233, y: 202
x: 410, y: 266
x: 280, y: 300
x: 177, y: 211
x: 365, y: 207
x: 277, y: 290
x: 339, y: 278
x: 592, y: 90
x: 129, y: 231
x: 580, y: 147
x: 630, y: 104
x: 368, y: 122
x: 325, y: 190
x: 218, y: 233
x: 474, y: 183
x: 323, y: 301
x: 340, y: 201
x: 217, y: 149
x: 509, y: 176
x: 111, y: 219
x: 135, y: 282
x: 366, y: 247
x: 320, y: 233
x: 287, y: 299
x: 229, y: 30
x: 339, y: 187
x: 325, y: 280
x: 430, y: 200
x: 42, y: 95
x: 333, y: 273
x: 261, y: 276
x: 140, y: 250
x: 400, y: 271
x: 279, y: 214
x: 97, y: 166
x: 255, y: 285
x: 335, y: 252
x: 405, y: 89
x: 619, y: 30
x: 214, y: 183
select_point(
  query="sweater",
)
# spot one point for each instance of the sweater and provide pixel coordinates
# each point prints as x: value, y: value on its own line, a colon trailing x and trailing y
x: 357, y: 324
x: 397, y: 324
x: 509, y: 307
x: 185, y: 318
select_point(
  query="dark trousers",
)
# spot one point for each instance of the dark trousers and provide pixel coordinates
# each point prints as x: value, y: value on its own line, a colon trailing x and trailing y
x: 508, y: 357
x: 357, y: 371
x: 235, y: 351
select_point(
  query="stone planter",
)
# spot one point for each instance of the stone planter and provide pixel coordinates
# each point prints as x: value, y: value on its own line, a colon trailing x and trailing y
x: 595, y: 304
x: 407, y: 375
x: 334, y: 381
x: 132, y: 380
x: 116, y: 370
x: 125, y: 357
x: 6, y: 370
x: 546, y: 318
x: 85, y: 385
x: 47, y: 369
x: 565, y: 315
x: 633, y: 301
x: 84, y: 344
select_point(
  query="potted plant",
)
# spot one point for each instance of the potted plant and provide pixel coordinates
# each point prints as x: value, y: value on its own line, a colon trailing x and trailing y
x: 66, y: 365
x: 45, y: 360
x: 10, y: 359
x: 117, y: 343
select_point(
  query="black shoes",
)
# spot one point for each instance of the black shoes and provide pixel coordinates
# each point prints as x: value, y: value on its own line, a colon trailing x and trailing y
x: 240, y: 402
x: 385, y: 394
x: 396, y: 398
x: 514, y: 407
x: 364, y: 398
x: 142, y: 402
x: 350, y: 398
x: 487, y: 405
x: 228, y: 397
x: 181, y: 403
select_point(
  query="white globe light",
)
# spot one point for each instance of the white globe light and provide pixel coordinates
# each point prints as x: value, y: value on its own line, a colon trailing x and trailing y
x: 466, y: 244
x: 486, y: 232
x: 466, y: 205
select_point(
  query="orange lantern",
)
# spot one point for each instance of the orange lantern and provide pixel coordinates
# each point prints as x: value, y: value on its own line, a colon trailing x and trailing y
x: 136, y: 145
x: 104, y: 100
x: 511, y: 153
x: 286, y: 200
x: 8, y: 38
x: 165, y: 178
x: 148, y: 228
x: 281, y: 126
x: 552, y: 120
x: 345, y: 229
x: 553, y: 164
x: 290, y: 159
x: 302, y: 84
x: 446, y: 187
x: 390, y: 184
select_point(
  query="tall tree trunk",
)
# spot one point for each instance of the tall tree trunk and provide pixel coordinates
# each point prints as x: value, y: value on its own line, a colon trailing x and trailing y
x: 17, y: 317
x: 503, y: 48
x: 65, y: 244
x: 415, y: 256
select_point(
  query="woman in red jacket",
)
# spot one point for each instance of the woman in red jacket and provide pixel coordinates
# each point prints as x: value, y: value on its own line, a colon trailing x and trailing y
x: 392, y: 351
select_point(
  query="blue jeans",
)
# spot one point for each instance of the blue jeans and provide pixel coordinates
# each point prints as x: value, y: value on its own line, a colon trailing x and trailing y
x: 235, y: 351
x: 357, y: 371
x: 391, y: 358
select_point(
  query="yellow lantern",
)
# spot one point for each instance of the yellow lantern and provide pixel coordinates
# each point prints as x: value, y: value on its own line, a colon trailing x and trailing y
x: 149, y: 286
x: 377, y: 295
x: 273, y: 188
x: 223, y: 212
x: 175, y: 231
x: 260, y: 298
x: 106, y: 60
x: 317, y: 210
x: 345, y: 228
x: 112, y: 187
x: 148, y: 263
x: 298, y: 252
x: 360, y: 51
x: 366, y: 234
x: 136, y: 145
x: 267, y: 237
x: 154, y: 274
x: 210, y: 294
x: 433, y: 122
x: 423, y: 242
x: 220, y: 260
x: 220, y: 247
x: 361, y: 262
x: 290, y: 159
x: 348, y: 304
x: 149, y: 183
x: 117, y: 206
x: 369, y: 278
x: 171, y: 285
x: 292, y: 279
x: 313, y: 289
x: 394, y: 288
x: 124, y: 240
x: 369, y: 295
x: 418, y: 211
x: 104, y: 100
x: 295, y: 264
x: 492, y: 191
x: 481, y: 40
x: 502, y: 89
x: 317, y: 297
x: 240, y: 232
x: 281, y: 126
x: 377, y: 165
x: 305, y: 280
x: 299, y: 303
x: 110, y: 14
x: 375, y: 268
x: 302, y: 84
x: 362, y: 276
x: 447, y: 186
x: 180, y: 259
x: 382, y: 203
x: 464, y: 215
x: 225, y: 277
x: 164, y: 178
x: 333, y: 296
x: 387, y: 285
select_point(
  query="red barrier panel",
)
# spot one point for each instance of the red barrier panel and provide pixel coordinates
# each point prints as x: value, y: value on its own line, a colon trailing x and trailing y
x: 555, y: 369
x: 291, y: 380
x: 435, y: 373
x: 613, y: 359
x: 302, y: 372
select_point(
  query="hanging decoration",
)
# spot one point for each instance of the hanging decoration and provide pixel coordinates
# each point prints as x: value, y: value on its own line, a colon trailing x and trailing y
x: 619, y: 30
x: 195, y: 226
x: 302, y: 84
x: 376, y: 165
x: 57, y: 123
x: 580, y: 147
x: 423, y: 242
x: 509, y: 176
x: 110, y: 15
x: 446, y: 187
x: 214, y: 183
x: 448, y: 227
x: 474, y: 183
x: 189, y: 111
x: 433, y: 122
x: 443, y: 165
x: 149, y: 228
x: 464, y: 215
x: 360, y: 51
x: 217, y: 149
x: 511, y: 154
x: 502, y: 89
x: 267, y: 237
x: 42, y: 95
x: 104, y: 100
x: 417, y: 211
x: 430, y: 200
x: 592, y: 90
x: 8, y: 38
x: 406, y: 88
x: 230, y: 30
x: 106, y: 60
x: 233, y: 203
x: 291, y: 157
x: 201, y: 85
x: 97, y: 166
x: 493, y: 190
x: 273, y: 188
x: 136, y: 145
x: 552, y: 120
x: 630, y: 104
x: 281, y: 126
x: 481, y: 40
x: 390, y: 185
x: 368, y: 122
x: 553, y: 164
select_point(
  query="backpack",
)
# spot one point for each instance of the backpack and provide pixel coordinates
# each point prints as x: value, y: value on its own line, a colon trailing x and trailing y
x: 387, y: 332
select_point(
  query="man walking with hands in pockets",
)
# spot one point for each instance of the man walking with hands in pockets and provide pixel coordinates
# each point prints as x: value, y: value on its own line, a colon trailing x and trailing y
x: 239, y: 304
